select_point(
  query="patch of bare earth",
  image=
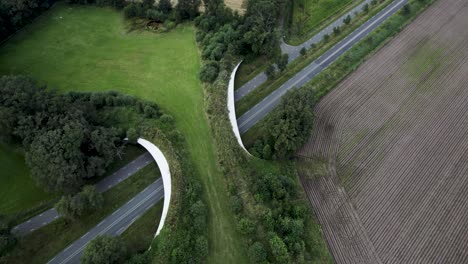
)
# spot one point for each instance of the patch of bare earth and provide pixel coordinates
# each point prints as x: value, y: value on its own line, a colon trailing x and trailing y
x: 237, y: 5
x: 395, y: 137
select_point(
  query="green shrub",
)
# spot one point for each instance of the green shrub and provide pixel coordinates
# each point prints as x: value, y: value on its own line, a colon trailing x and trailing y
x: 336, y: 30
x: 282, y: 62
x: 270, y: 71
x: 288, y: 126
x: 131, y: 10
x: 303, y: 51
x: 209, y: 72
x: 347, y: 20
x: 103, y: 249
x: 365, y: 8
x: 155, y: 15
x: 257, y: 253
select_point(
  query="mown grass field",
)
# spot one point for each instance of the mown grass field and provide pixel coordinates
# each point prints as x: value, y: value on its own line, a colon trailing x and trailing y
x: 83, y: 48
x: 18, y: 191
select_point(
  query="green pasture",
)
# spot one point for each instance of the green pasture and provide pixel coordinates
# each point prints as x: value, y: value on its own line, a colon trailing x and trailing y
x: 86, y: 48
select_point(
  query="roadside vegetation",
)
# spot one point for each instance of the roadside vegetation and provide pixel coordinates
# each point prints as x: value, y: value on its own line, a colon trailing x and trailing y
x: 140, y: 234
x: 79, y: 218
x: 266, y: 197
x: 287, y: 127
x: 96, y: 52
x: 43, y: 244
x: 307, y: 17
x: 330, y: 77
x: 269, y: 207
x: 276, y: 79
x: 351, y: 60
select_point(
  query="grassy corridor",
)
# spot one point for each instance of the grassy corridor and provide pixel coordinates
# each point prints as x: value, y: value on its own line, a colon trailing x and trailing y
x: 84, y: 48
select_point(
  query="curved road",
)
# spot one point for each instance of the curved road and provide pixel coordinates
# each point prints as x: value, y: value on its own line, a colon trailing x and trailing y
x: 295, y: 51
x: 260, y: 110
x: 105, y: 184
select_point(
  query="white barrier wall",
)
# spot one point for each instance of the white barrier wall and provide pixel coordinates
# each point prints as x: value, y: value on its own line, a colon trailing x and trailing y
x: 232, y: 108
x: 163, y: 165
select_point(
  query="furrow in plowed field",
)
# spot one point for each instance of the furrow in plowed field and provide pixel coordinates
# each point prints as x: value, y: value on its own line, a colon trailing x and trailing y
x: 394, y: 136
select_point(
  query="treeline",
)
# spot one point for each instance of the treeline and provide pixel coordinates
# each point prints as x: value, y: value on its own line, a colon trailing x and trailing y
x: 119, y: 4
x: 14, y: 14
x: 64, y: 138
x: 224, y: 34
x: 287, y: 127
x: 161, y: 11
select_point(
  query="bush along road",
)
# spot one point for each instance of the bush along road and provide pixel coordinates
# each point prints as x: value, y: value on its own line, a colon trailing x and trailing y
x: 259, y: 111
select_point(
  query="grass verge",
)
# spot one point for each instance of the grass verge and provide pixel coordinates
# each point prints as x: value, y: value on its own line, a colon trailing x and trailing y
x: 139, y: 235
x: 44, y: 243
x: 309, y: 17
x: 254, y: 97
x: 249, y: 69
x: 350, y: 61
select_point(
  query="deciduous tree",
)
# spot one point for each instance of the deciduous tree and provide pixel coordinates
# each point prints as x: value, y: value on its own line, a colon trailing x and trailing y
x: 103, y: 250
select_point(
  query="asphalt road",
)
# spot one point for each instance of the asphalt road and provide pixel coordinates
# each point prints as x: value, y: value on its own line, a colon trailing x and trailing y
x: 294, y: 51
x: 260, y: 110
x: 105, y: 184
x: 115, y: 224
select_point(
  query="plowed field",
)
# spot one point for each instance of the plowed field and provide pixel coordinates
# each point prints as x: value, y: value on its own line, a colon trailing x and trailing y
x: 386, y: 167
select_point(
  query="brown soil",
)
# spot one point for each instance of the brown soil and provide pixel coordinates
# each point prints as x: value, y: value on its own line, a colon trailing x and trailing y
x: 395, y: 136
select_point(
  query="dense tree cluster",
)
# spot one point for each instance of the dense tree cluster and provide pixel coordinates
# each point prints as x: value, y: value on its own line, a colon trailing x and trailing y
x: 288, y: 126
x: 276, y: 231
x: 284, y: 219
x: 7, y: 240
x: 64, y: 138
x: 222, y: 33
x: 14, y: 14
x: 103, y: 249
x: 75, y: 206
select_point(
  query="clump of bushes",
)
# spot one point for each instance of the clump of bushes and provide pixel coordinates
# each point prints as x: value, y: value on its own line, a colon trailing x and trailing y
x: 75, y: 206
x: 64, y: 131
x: 7, y: 240
x: 209, y: 71
x: 223, y: 33
x: 104, y: 249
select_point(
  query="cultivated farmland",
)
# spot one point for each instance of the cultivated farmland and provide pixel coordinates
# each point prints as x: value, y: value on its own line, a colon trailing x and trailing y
x: 386, y: 168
